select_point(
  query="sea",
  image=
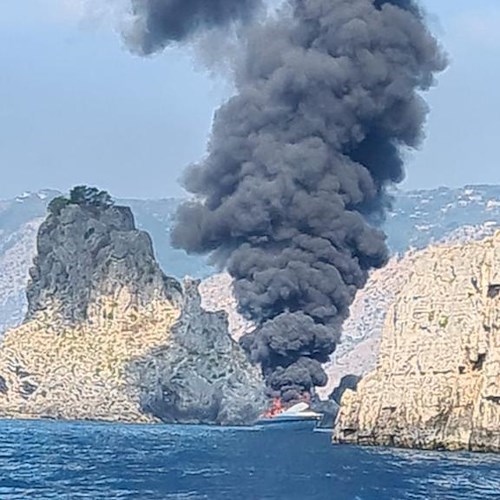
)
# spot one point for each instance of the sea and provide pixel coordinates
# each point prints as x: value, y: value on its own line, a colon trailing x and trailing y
x: 54, y: 460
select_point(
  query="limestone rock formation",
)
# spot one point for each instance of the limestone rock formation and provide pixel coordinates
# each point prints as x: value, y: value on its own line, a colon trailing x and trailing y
x: 202, y: 375
x: 437, y: 380
x: 216, y: 295
x: 83, y: 253
x: 418, y: 219
x: 361, y: 333
x: 101, y: 316
x: 20, y: 219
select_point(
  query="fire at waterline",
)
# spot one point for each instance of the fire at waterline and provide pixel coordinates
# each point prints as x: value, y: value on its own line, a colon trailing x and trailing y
x: 291, y: 193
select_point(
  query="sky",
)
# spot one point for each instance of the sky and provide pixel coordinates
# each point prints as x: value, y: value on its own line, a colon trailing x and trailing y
x: 77, y: 108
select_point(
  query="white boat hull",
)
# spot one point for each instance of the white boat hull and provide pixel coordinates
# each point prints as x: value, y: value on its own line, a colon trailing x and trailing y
x: 288, y: 423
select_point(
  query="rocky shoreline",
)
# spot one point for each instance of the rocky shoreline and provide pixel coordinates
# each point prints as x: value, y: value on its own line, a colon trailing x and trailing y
x: 109, y: 337
x: 437, y: 380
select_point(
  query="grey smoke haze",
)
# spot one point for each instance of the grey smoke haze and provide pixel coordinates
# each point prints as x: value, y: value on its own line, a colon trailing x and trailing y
x: 160, y: 22
x: 327, y: 94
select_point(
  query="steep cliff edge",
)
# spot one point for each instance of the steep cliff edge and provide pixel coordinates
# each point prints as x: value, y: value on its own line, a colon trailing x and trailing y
x: 203, y: 375
x: 437, y: 381
x: 108, y: 336
x: 86, y: 253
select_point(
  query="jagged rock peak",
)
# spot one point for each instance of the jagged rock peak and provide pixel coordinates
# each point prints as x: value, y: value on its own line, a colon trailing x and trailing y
x: 87, y: 252
x: 109, y: 337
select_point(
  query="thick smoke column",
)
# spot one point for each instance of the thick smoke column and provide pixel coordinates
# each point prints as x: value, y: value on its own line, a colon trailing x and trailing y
x: 160, y: 22
x: 298, y: 162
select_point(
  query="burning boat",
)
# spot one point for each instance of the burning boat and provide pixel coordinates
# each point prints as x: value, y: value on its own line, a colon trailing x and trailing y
x: 297, y: 417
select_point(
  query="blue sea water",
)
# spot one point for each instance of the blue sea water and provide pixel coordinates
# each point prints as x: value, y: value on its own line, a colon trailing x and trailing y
x: 52, y: 460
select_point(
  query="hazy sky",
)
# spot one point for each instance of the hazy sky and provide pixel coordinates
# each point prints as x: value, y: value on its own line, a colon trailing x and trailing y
x: 76, y: 107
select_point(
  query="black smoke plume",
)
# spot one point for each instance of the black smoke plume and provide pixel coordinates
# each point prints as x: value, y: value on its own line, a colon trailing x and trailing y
x: 327, y: 96
x: 158, y: 23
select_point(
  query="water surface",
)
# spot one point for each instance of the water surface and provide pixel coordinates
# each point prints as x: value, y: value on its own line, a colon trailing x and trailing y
x: 51, y: 460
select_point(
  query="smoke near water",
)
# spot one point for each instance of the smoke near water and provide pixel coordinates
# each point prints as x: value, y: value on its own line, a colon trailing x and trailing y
x: 327, y: 95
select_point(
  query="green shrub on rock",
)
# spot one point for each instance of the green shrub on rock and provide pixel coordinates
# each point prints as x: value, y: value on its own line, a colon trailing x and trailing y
x: 83, y: 196
x: 90, y: 197
x: 57, y: 204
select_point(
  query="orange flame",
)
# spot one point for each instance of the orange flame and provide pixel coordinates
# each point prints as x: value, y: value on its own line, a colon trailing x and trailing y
x: 275, y: 409
x: 277, y: 405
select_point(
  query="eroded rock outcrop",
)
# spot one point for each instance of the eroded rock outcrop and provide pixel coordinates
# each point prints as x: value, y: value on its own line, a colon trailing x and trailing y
x: 203, y: 375
x: 216, y: 295
x: 109, y: 337
x: 437, y: 381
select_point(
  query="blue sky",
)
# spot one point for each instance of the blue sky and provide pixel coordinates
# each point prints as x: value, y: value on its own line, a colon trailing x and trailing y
x: 75, y: 107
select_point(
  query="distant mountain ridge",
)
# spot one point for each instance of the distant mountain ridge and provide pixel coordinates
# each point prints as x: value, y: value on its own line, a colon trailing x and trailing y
x: 422, y: 217
x: 418, y: 219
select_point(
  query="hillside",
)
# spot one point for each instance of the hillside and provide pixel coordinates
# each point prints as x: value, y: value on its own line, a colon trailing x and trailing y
x: 422, y: 217
x: 418, y: 219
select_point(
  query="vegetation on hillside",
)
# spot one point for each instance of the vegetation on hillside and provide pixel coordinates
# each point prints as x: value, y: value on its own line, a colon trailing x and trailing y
x: 83, y: 196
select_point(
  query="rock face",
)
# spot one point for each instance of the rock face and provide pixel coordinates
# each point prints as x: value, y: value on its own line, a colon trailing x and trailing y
x: 109, y: 337
x: 20, y: 219
x: 83, y: 254
x: 362, y: 331
x: 203, y: 375
x: 217, y: 294
x: 437, y: 380
x: 418, y: 219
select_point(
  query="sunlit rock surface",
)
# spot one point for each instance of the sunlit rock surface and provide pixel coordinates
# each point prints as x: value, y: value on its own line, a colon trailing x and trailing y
x: 101, y: 313
x: 417, y: 219
x: 437, y: 380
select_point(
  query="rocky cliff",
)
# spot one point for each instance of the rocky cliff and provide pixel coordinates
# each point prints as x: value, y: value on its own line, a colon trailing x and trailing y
x: 418, y: 218
x: 437, y: 380
x: 202, y: 375
x: 20, y: 219
x: 84, y: 254
x: 108, y: 336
